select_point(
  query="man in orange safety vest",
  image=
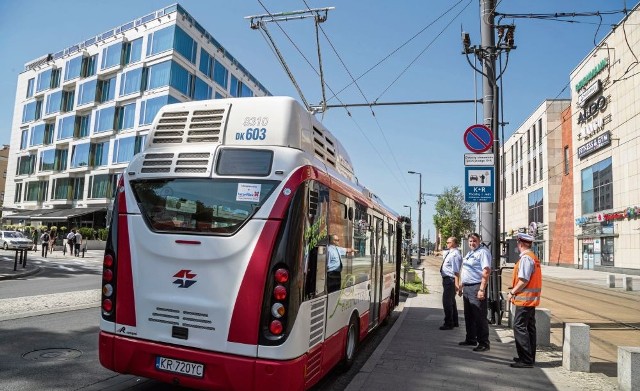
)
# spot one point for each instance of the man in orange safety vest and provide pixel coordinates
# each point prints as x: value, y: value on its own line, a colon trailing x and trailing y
x: 525, y: 295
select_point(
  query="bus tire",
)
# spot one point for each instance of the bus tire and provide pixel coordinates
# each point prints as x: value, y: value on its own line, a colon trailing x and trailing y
x: 351, y: 343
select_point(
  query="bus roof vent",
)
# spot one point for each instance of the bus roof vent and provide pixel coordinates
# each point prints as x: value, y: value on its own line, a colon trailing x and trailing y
x: 183, y: 162
x: 186, y: 127
x: 324, y: 147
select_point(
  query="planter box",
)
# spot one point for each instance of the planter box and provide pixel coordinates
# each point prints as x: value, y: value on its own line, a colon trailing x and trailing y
x: 95, y: 244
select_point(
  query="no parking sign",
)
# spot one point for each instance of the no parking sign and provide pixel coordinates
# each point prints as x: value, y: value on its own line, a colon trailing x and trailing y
x: 478, y: 138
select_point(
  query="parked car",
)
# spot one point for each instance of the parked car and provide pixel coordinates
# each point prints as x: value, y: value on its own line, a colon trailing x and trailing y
x: 14, y: 240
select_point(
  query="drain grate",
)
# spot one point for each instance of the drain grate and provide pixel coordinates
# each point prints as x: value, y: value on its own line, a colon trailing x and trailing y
x: 53, y: 354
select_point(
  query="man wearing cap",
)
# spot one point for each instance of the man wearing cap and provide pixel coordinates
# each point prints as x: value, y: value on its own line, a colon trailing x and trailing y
x: 525, y: 295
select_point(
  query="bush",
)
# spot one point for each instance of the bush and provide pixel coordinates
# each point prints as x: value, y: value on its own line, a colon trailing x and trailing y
x: 87, y: 233
x: 103, y: 233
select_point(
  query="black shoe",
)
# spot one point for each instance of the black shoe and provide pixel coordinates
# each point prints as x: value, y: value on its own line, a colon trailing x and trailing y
x: 467, y: 343
x: 481, y: 348
x: 516, y: 359
x: 446, y: 327
x: 520, y: 364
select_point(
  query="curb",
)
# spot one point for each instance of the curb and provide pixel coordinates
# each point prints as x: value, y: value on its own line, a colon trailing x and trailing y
x: 360, y: 378
x: 35, y: 270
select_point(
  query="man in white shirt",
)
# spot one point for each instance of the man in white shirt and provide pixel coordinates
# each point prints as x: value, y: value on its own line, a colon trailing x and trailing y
x: 334, y: 263
x: 78, y: 238
x: 450, y: 272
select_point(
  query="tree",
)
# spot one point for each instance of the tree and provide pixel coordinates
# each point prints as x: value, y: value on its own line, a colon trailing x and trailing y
x: 454, y: 216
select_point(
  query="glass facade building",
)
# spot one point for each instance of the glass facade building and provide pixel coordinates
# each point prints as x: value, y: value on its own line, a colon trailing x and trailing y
x: 83, y: 112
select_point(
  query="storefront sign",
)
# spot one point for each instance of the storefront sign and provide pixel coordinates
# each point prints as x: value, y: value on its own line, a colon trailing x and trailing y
x: 594, y: 145
x: 592, y: 109
x: 601, y: 217
x: 593, y: 127
x: 589, y: 92
x: 628, y: 213
x: 592, y: 74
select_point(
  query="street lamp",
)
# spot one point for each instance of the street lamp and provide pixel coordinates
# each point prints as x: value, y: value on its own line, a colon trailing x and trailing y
x: 419, y: 211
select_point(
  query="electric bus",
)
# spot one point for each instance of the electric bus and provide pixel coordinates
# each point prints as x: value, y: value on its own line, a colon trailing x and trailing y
x: 215, y: 270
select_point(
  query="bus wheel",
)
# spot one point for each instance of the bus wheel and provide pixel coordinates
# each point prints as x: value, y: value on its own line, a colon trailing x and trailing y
x: 351, y: 344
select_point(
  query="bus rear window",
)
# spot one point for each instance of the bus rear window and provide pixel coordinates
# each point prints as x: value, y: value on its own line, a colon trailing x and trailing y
x: 249, y: 162
x: 200, y: 205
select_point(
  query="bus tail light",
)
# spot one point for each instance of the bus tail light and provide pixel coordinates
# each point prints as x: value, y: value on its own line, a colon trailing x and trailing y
x: 107, y: 285
x: 279, y: 302
x: 276, y: 327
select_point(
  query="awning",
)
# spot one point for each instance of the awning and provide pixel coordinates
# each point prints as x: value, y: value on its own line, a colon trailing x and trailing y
x: 65, y: 214
x: 27, y: 214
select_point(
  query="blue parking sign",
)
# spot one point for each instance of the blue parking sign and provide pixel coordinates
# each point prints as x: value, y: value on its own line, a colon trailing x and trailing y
x: 479, y: 184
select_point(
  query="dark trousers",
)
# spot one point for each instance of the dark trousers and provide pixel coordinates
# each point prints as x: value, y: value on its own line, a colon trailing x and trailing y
x: 524, y: 332
x: 333, y: 281
x: 449, y: 301
x: 45, y: 249
x: 475, y: 315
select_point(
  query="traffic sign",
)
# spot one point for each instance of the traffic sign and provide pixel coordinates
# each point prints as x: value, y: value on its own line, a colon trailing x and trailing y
x: 479, y: 159
x: 479, y: 184
x: 478, y: 138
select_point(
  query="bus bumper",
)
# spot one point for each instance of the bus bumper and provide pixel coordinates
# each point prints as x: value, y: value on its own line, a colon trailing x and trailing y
x: 221, y: 371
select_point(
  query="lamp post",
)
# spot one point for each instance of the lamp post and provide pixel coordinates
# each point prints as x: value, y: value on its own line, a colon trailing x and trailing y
x: 410, y: 235
x: 419, y: 210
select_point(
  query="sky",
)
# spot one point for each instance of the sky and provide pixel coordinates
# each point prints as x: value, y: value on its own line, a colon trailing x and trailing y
x: 398, y: 51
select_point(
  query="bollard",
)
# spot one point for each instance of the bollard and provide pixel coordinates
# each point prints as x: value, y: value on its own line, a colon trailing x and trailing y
x: 627, y: 283
x: 611, y: 280
x: 575, y: 348
x: 24, y: 261
x: 543, y: 326
x: 15, y: 262
x: 628, y: 368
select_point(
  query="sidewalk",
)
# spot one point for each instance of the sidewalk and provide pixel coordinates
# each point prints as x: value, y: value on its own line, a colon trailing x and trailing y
x: 416, y: 355
x: 7, y: 260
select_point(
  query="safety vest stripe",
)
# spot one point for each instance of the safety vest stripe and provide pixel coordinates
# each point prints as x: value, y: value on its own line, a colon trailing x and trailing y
x: 531, y: 290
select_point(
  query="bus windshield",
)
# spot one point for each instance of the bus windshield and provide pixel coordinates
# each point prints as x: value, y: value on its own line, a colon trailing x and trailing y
x: 192, y: 205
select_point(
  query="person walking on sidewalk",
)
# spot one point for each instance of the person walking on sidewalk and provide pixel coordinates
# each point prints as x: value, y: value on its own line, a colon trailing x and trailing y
x: 525, y: 295
x: 71, y: 238
x: 45, y: 243
x: 476, y: 267
x: 450, y: 272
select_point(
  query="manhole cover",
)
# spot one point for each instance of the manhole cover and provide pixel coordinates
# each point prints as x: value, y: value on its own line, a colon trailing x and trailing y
x: 55, y: 354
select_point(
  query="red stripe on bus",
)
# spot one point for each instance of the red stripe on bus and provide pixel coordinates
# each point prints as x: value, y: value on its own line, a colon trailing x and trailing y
x: 125, y: 305
x: 245, y: 320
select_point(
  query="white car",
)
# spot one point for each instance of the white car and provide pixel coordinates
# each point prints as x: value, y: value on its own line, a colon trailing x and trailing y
x: 14, y: 240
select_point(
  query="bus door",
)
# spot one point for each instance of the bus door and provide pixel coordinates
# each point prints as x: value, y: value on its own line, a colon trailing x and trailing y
x: 376, y: 275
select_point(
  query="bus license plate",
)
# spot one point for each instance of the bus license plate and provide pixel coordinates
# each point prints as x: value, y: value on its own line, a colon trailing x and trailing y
x: 179, y: 366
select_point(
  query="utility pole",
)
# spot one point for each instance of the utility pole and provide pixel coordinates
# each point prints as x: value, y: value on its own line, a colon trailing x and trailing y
x: 489, y: 213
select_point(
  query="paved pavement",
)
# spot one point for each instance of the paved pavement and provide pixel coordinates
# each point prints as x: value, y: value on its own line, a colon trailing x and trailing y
x: 34, y: 258
x: 416, y: 355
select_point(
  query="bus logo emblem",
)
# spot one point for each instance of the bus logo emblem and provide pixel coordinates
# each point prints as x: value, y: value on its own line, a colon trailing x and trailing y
x: 184, y: 278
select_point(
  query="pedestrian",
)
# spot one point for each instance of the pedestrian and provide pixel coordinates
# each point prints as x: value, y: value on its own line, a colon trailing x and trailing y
x: 71, y: 238
x: 78, y: 242
x: 525, y: 295
x: 45, y: 243
x: 35, y: 240
x: 334, y: 263
x: 476, y: 268
x: 450, y: 272
x: 52, y: 240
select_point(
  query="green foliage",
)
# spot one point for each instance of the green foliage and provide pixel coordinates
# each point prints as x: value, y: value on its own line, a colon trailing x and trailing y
x: 103, y: 233
x: 87, y: 233
x: 454, y: 216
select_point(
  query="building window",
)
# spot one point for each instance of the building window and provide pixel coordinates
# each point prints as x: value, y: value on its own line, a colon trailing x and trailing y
x: 73, y: 68
x: 24, y: 138
x: 37, y: 191
x: 112, y: 56
x: 521, y: 178
x: 62, y: 155
x: 100, y: 154
x: 87, y: 92
x: 521, y: 150
x: 80, y: 155
x: 181, y: 79
x: 566, y: 160
x: 160, y: 41
x: 37, y: 135
x: 535, y: 170
x: 47, y: 160
x: 26, y: 165
x: 536, y: 208
x: 540, y: 162
x: 89, y: 66
x: 513, y: 156
x: 125, y: 148
x: 82, y: 126
x: 159, y: 75
x: 534, y: 135
x: 105, y: 119
x: 30, y: 84
x: 54, y: 102
x: 18, y: 194
x: 597, y: 187
x: 62, y: 188
x: 48, y: 79
x: 529, y: 141
x: 528, y: 173
x: 540, y: 131
x: 106, y: 90
x: 102, y: 186
x: 125, y: 116
x: 78, y: 188
x: 239, y: 89
x: 131, y: 82
x: 202, y: 90
x: 517, y: 187
x: 185, y: 45
x: 512, y: 183
x: 132, y: 51
x: 67, y: 100
x: 32, y: 111
x: 66, y: 127
x: 150, y: 107
x: 220, y: 75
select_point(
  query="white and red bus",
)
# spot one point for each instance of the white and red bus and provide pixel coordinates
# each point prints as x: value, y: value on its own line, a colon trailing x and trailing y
x: 215, y: 272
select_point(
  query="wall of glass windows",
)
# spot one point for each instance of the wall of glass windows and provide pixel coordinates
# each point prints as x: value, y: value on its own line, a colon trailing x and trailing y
x: 597, y: 187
